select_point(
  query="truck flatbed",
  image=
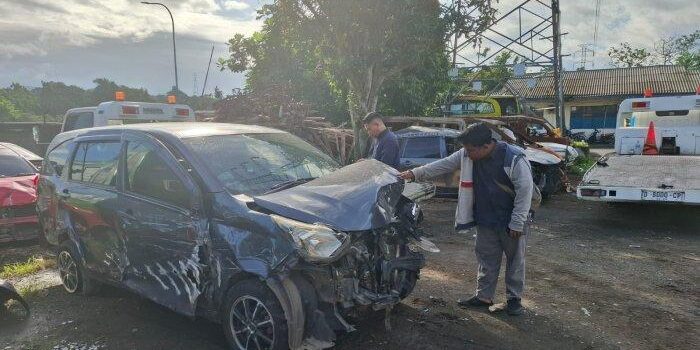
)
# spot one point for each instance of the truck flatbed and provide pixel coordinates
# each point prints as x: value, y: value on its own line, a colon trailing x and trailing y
x: 639, y: 178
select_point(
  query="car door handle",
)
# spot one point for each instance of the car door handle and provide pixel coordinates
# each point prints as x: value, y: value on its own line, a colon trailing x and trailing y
x: 126, y: 218
x: 127, y: 214
x: 64, y: 194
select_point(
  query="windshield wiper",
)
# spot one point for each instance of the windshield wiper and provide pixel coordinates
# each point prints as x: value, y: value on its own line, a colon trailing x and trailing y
x: 288, y: 184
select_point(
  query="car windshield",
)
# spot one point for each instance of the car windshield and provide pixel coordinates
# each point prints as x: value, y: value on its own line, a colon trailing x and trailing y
x: 253, y: 164
x: 13, y: 165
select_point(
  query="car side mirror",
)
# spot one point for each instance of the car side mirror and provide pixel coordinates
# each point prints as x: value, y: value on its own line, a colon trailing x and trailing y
x: 173, y: 186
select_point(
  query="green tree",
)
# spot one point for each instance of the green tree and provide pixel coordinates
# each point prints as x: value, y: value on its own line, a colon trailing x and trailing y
x: 689, y: 60
x: 357, y: 48
x: 689, y: 51
x: 8, y: 111
x: 628, y: 56
x: 55, y: 98
x: 105, y: 89
x: 22, y: 98
x: 669, y: 49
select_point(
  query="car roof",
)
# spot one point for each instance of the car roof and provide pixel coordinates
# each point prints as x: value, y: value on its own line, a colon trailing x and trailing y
x: 180, y: 130
x: 425, y: 131
x: 20, y: 151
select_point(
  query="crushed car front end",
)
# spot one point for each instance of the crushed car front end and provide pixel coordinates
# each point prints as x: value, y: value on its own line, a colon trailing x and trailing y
x: 330, y: 247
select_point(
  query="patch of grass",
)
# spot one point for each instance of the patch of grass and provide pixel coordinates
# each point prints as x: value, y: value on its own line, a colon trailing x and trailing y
x: 31, y: 266
x: 581, y: 165
x: 30, y: 290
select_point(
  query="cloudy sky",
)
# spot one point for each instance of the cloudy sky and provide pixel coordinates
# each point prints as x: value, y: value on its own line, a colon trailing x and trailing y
x: 76, y: 41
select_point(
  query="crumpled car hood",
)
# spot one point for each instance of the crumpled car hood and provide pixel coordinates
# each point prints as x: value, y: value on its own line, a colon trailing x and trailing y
x: 358, y: 197
x: 17, y: 191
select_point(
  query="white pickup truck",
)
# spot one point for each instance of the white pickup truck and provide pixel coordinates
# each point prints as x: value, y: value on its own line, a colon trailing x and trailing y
x: 673, y: 175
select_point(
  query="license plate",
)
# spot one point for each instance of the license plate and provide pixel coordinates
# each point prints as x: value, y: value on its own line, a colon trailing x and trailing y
x: 663, y: 196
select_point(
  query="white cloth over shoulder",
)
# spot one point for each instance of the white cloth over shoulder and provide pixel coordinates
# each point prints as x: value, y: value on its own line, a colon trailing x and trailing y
x: 464, y: 217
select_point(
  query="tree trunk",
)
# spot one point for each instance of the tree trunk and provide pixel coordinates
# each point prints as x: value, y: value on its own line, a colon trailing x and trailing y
x: 363, y: 97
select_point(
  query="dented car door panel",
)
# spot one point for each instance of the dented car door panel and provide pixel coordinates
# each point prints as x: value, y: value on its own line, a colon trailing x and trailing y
x: 89, y: 201
x: 165, y: 238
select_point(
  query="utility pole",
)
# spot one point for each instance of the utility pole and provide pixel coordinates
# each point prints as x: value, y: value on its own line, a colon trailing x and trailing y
x: 172, y: 21
x: 556, y: 63
x: 207, y: 76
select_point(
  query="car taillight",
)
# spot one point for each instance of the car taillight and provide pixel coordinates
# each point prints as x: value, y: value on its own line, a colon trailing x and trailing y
x: 36, y: 180
x: 641, y: 104
x: 182, y: 112
x: 589, y: 192
x: 130, y: 110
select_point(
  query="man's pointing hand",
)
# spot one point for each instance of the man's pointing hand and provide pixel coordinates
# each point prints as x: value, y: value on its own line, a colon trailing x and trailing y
x: 407, y: 175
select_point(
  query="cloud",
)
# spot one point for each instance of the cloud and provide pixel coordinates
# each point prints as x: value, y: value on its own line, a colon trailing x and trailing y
x: 639, y: 22
x: 42, y: 26
x: 235, y: 5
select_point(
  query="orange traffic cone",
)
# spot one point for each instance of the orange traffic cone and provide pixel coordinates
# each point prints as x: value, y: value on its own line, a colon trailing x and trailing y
x: 650, y: 144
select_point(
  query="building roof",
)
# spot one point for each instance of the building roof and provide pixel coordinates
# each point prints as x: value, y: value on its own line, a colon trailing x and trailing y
x: 613, y: 82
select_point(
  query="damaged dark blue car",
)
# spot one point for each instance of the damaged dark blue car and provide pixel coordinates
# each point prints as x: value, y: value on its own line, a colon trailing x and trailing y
x: 248, y: 226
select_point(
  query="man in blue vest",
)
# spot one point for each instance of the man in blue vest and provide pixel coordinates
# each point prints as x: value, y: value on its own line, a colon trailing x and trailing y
x: 502, y: 189
x: 385, y: 144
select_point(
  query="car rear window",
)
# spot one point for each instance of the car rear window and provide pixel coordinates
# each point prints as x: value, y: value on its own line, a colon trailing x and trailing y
x: 79, y: 120
x: 13, y: 165
x: 96, y: 162
x: 422, y: 147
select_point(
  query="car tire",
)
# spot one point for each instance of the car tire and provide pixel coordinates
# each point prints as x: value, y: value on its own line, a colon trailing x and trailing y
x: 552, y: 182
x: 72, y: 272
x: 265, y: 328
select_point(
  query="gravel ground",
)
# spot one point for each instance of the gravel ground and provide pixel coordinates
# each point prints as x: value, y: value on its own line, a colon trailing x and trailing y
x: 598, y: 277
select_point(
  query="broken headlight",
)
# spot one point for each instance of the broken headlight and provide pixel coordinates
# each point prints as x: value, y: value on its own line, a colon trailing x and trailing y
x: 316, y: 242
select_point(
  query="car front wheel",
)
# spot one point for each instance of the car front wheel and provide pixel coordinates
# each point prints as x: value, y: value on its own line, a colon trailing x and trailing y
x: 253, y: 318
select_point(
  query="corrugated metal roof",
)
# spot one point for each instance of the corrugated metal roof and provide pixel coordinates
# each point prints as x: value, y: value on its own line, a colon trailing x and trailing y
x: 663, y: 80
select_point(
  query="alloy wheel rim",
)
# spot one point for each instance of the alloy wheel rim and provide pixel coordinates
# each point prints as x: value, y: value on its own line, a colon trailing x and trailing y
x: 68, y: 271
x: 251, y: 324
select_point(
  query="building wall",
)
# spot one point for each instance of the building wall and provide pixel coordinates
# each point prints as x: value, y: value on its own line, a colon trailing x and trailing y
x: 571, y: 107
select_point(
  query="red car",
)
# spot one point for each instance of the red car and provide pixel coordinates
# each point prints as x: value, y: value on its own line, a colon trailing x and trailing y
x: 18, y: 194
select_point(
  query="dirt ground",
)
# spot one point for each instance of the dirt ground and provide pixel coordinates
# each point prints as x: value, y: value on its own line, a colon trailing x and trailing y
x: 598, y: 277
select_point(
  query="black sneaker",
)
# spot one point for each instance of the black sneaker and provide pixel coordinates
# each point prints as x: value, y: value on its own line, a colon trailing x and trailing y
x: 514, y: 308
x: 473, y: 302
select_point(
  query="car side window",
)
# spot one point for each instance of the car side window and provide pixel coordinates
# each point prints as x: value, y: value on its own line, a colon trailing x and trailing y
x: 422, y: 147
x: 96, y: 162
x: 56, y: 160
x: 148, y: 174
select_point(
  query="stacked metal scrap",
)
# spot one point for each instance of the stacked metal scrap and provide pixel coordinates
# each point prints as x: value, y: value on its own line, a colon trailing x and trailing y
x: 274, y: 108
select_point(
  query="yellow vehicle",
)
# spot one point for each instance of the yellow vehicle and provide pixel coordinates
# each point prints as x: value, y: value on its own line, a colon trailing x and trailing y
x: 483, y: 106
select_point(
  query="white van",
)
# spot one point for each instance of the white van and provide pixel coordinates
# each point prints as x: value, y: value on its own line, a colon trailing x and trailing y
x: 125, y: 112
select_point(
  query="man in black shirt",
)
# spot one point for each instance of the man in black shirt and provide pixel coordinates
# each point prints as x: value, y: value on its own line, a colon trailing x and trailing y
x: 385, y: 145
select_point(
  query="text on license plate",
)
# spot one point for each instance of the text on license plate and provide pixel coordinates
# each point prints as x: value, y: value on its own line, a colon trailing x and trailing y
x: 664, y: 196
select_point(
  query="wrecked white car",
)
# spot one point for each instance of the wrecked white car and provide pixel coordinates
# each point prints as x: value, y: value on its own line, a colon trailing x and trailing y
x: 247, y: 226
